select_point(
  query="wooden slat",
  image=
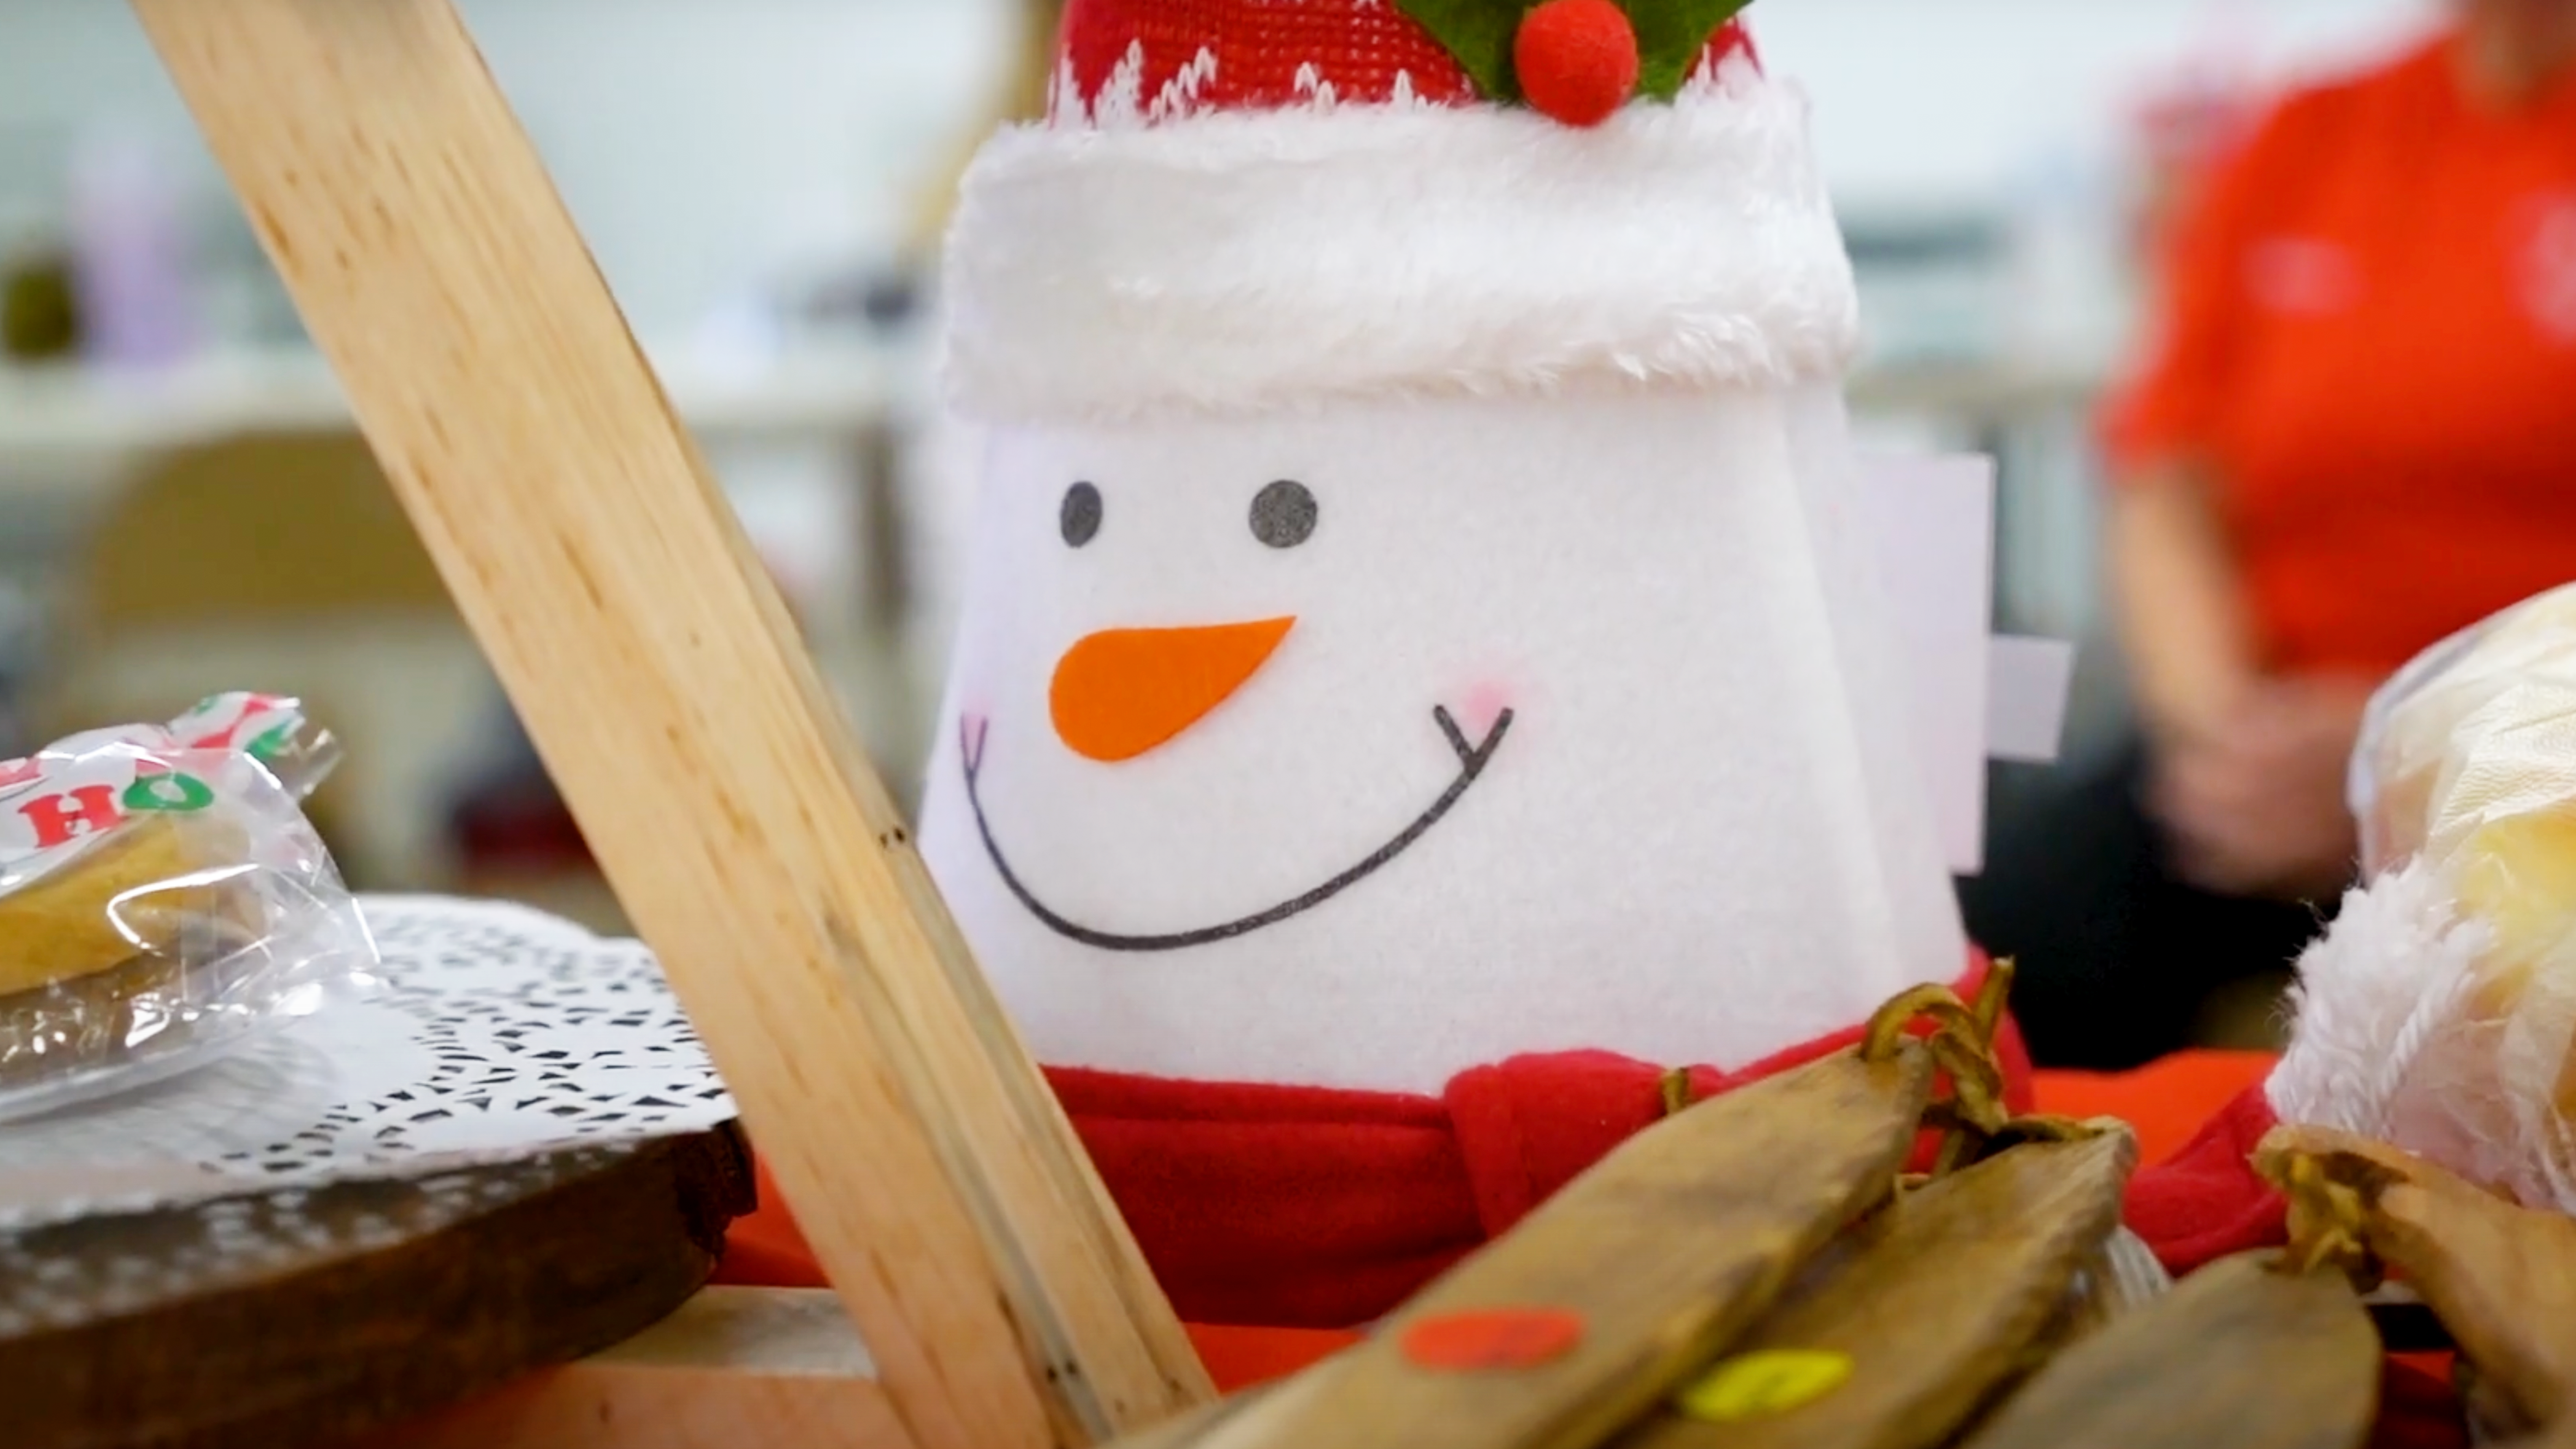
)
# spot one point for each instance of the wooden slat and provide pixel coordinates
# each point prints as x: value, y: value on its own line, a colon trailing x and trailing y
x: 1668, y: 1248
x: 1193, y: 1428
x: 662, y: 681
x: 2236, y: 1357
x: 1930, y: 1308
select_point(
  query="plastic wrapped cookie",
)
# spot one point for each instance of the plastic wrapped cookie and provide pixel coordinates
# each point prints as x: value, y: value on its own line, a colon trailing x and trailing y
x: 162, y: 897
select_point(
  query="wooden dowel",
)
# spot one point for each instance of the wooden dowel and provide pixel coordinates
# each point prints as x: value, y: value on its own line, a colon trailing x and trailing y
x: 658, y: 673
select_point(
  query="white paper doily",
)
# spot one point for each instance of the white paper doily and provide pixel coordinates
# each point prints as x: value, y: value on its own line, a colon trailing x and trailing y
x: 501, y: 1031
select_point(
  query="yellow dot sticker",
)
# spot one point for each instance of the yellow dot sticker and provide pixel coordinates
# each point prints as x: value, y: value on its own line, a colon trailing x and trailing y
x: 1759, y: 1385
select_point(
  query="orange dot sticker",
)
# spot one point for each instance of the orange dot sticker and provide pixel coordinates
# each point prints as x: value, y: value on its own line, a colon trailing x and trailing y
x: 1761, y: 1385
x: 1488, y: 1339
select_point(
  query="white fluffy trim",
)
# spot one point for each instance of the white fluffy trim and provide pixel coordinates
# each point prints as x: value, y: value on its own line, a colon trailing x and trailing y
x: 1238, y: 262
x: 2402, y: 1036
x: 2389, y: 982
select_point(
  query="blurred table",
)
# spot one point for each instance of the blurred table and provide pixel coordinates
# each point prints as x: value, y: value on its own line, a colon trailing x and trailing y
x: 797, y: 434
x: 70, y: 438
x: 1980, y: 395
x: 67, y: 433
x: 69, y: 417
x: 62, y: 427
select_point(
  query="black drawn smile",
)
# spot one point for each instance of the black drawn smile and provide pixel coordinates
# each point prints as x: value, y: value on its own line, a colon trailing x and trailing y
x: 1472, y: 759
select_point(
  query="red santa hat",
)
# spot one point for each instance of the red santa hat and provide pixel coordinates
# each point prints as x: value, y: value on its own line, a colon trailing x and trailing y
x: 1240, y: 205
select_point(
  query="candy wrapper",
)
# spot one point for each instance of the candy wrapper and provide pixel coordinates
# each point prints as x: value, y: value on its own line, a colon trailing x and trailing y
x: 163, y: 899
x: 2439, y: 1013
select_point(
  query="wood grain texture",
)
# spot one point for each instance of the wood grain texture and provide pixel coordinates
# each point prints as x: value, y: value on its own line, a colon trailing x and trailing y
x: 733, y: 1367
x: 1934, y: 1302
x: 292, y: 1317
x: 663, y: 683
x: 2236, y: 1357
x: 1670, y: 1248
x: 1193, y: 1428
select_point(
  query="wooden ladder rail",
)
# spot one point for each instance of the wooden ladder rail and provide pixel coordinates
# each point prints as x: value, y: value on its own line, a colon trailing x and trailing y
x: 1003, y: 1301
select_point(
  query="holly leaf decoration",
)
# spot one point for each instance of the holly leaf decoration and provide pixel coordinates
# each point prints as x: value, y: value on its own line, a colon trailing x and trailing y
x: 1670, y: 36
x: 1479, y: 34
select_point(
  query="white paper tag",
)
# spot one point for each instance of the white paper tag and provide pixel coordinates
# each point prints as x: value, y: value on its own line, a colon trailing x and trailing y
x: 2026, y: 686
x: 1969, y: 696
x: 1934, y: 517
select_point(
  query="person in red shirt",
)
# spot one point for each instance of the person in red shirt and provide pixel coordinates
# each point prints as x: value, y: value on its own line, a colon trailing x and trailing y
x: 2353, y: 433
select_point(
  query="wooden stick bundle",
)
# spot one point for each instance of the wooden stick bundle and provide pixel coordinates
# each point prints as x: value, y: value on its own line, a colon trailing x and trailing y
x: 657, y: 671
x: 2239, y: 1356
x: 1730, y: 1282
x: 1929, y: 1308
x: 1669, y: 1248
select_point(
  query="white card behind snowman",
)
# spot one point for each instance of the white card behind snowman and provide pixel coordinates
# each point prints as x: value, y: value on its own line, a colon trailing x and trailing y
x: 1970, y: 696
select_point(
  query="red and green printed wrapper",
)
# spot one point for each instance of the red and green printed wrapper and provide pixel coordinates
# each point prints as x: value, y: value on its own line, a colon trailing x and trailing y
x: 60, y: 802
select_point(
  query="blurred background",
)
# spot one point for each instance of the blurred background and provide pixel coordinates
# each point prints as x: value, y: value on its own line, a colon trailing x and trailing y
x: 183, y: 508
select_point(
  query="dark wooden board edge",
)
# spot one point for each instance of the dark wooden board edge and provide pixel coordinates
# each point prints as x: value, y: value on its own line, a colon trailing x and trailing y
x: 369, y: 1341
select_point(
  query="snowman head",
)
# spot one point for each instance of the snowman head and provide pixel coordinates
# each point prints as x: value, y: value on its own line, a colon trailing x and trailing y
x: 1406, y: 626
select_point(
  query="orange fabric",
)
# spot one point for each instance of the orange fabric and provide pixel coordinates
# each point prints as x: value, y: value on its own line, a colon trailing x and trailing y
x: 1243, y: 1358
x: 1122, y: 692
x: 2368, y: 335
x: 2167, y: 1101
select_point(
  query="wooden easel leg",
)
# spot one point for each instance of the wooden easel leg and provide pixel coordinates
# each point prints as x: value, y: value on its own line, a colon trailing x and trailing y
x: 609, y: 583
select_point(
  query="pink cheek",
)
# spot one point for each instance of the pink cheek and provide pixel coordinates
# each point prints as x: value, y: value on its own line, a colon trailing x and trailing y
x: 1481, y: 703
x: 974, y: 721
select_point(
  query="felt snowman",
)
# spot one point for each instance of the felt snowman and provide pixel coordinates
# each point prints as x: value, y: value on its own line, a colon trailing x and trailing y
x: 1421, y: 681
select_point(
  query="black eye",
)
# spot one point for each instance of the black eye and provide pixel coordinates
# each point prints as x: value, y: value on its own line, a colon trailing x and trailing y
x: 1283, y: 514
x: 1080, y: 516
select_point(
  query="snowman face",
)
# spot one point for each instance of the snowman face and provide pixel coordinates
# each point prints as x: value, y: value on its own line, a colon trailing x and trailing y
x: 1361, y: 747
x: 1121, y: 693
x: 1219, y: 655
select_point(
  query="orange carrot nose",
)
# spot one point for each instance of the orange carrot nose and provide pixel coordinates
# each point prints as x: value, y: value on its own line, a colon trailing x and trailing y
x: 1121, y: 692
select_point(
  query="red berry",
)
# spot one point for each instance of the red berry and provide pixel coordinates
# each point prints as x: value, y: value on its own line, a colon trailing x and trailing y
x: 1577, y: 60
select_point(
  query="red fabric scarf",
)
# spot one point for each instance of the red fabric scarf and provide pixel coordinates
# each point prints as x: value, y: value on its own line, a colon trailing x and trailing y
x: 2206, y: 1201
x: 1309, y: 1207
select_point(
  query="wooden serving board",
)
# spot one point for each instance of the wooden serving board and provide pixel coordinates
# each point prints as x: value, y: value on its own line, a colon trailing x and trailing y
x: 304, y: 1316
